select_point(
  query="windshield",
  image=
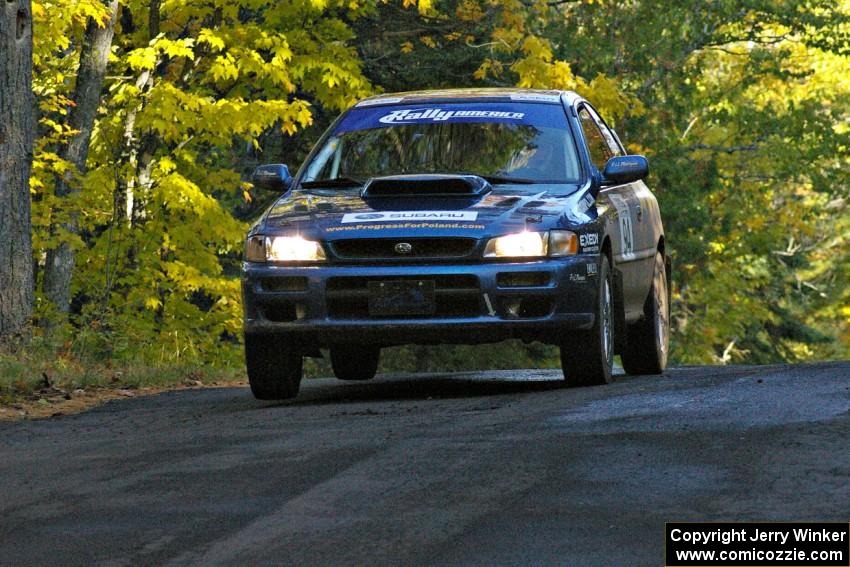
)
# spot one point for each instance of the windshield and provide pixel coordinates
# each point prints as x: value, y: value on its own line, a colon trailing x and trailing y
x: 523, y: 142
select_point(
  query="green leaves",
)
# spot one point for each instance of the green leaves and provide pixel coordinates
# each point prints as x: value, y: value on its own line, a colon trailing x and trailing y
x: 742, y: 107
x: 184, y: 107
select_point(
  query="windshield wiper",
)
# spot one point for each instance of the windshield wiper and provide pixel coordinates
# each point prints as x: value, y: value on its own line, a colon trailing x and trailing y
x: 503, y: 180
x: 338, y: 182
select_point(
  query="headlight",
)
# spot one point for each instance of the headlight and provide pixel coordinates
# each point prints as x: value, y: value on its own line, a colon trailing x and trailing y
x: 519, y: 245
x: 532, y: 245
x: 283, y: 249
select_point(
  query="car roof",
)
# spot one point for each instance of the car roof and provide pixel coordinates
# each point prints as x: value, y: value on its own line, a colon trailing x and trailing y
x: 466, y: 95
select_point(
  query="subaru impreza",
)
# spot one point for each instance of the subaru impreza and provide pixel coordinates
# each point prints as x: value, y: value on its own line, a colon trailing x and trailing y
x: 457, y: 216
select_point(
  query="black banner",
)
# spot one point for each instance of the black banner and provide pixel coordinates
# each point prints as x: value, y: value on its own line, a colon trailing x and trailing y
x: 757, y: 544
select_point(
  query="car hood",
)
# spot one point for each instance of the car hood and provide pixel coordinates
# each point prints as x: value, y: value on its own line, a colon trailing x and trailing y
x: 341, y: 214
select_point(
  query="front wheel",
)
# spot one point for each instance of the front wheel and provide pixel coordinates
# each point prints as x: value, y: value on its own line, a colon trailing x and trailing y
x: 274, y: 369
x: 648, y: 340
x: 587, y: 358
x: 355, y: 362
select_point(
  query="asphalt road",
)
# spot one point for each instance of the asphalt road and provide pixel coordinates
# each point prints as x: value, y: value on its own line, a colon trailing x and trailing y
x: 480, y: 468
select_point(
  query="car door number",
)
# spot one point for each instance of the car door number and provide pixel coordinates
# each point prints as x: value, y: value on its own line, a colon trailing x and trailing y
x: 627, y: 234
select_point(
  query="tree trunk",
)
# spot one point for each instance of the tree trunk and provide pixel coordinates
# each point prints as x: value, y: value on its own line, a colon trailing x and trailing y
x: 131, y: 192
x: 16, y: 148
x: 125, y: 190
x: 93, y: 60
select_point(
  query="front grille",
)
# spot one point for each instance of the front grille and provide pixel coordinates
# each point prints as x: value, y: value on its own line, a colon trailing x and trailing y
x: 281, y: 312
x: 455, y: 296
x: 523, y: 279
x: 279, y: 284
x: 385, y: 248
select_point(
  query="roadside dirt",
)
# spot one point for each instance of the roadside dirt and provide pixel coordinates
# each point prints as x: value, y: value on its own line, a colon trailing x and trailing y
x: 54, y: 402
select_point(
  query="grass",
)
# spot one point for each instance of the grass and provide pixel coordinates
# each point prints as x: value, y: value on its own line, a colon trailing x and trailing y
x: 53, y: 373
x: 25, y: 370
x: 36, y: 373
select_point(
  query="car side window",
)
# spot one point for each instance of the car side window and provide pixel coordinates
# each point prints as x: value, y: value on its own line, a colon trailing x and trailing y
x: 600, y: 153
x: 610, y: 137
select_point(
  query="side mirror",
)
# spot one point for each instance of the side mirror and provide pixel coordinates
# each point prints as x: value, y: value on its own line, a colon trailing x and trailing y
x: 625, y: 169
x: 274, y: 177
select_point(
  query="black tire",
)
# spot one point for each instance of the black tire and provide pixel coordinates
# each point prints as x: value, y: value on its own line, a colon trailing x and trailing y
x: 274, y: 369
x: 587, y: 358
x: 648, y: 340
x: 350, y: 362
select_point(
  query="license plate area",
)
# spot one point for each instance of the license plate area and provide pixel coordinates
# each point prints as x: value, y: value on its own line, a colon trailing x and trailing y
x: 395, y: 298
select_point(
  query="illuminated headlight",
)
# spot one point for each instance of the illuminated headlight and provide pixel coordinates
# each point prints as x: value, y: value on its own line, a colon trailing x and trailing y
x: 519, y: 245
x: 283, y: 249
x: 532, y: 245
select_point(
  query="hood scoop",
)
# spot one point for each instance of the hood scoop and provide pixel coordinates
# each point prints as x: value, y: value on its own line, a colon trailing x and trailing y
x: 419, y: 186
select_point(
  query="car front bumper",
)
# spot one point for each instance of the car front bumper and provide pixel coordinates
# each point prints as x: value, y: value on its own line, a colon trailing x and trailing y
x: 318, y: 306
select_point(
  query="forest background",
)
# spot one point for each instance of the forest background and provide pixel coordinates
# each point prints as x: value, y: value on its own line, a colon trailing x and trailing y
x: 149, y: 116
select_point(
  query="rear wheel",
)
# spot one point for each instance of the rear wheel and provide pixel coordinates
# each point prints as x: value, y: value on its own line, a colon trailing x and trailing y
x: 355, y: 362
x: 647, y: 341
x: 274, y: 369
x: 587, y: 358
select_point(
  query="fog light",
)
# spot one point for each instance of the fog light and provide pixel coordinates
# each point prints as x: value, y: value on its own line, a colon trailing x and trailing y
x: 513, y: 308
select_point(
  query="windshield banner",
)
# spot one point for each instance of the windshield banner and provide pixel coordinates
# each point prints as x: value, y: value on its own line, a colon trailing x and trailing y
x: 541, y: 115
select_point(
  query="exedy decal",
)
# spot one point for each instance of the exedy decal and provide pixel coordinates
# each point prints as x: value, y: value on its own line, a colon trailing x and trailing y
x: 437, y: 115
x: 591, y: 239
x: 589, y: 243
x: 401, y: 216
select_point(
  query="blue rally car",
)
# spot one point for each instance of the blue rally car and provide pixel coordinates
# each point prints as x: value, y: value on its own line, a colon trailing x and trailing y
x: 458, y: 216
